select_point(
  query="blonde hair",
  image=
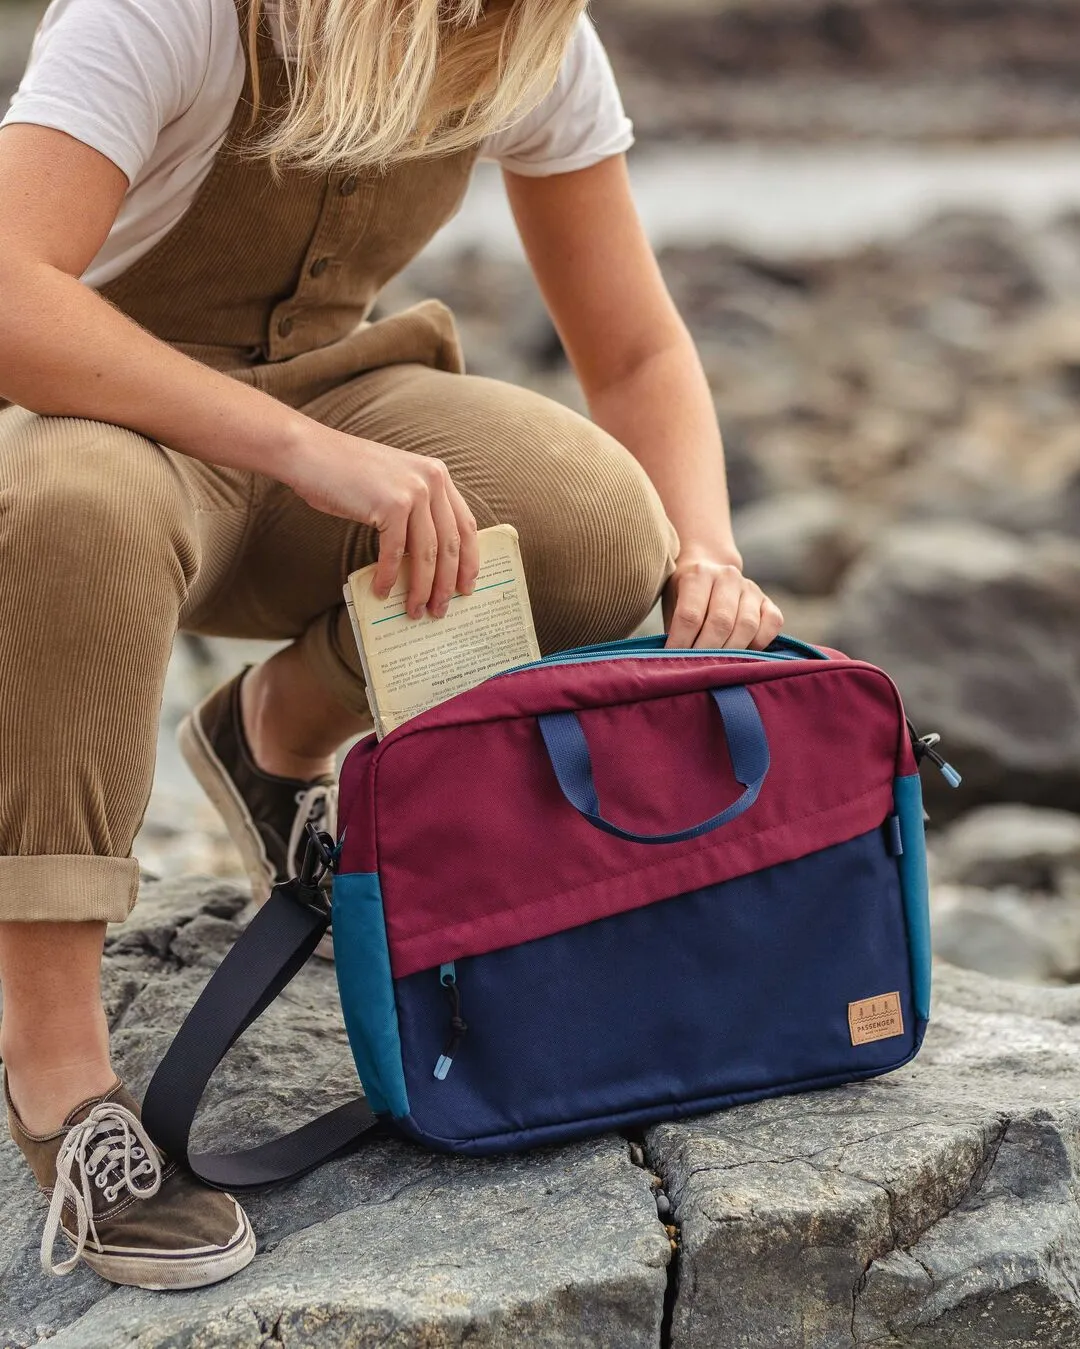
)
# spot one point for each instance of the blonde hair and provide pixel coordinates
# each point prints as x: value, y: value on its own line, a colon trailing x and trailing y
x: 376, y: 81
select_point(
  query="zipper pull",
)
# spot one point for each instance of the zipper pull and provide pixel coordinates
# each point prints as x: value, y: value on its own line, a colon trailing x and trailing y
x: 947, y: 771
x: 925, y: 748
x: 458, y: 1027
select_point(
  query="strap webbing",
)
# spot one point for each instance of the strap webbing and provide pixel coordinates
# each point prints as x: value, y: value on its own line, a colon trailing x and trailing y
x: 748, y: 746
x: 274, y: 947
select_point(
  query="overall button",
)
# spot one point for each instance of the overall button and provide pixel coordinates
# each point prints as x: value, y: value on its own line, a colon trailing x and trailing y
x: 348, y: 186
x: 319, y: 266
x: 285, y: 326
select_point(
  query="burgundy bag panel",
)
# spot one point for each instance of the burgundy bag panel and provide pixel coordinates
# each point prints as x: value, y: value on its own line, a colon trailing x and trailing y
x: 476, y: 848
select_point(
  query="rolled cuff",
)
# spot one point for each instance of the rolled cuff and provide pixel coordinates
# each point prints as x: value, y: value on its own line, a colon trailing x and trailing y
x: 67, y: 889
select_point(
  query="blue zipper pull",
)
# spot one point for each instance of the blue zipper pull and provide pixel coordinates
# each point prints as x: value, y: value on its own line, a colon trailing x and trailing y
x: 947, y: 771
x: 925, y: 747
x: 458, y: 1027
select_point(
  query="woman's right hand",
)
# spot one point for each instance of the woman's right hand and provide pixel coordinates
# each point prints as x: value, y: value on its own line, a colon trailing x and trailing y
x: 409, y: 498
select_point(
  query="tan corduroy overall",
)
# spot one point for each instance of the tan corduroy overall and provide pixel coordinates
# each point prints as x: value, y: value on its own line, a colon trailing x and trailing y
x: 110, y: 543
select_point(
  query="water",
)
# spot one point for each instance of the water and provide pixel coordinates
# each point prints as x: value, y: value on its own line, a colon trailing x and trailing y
x: 817, y: 199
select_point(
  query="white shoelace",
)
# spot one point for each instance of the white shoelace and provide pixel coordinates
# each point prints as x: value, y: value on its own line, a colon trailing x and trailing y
x: 110, y: 1149
x: 317, y: 804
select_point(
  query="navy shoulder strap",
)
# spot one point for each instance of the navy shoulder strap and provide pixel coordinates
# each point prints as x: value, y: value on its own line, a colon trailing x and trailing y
x: 275, y: 945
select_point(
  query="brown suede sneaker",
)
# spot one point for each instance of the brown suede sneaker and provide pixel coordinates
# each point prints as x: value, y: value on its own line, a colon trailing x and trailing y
x: 132, y: 1216
x: 264, y: 814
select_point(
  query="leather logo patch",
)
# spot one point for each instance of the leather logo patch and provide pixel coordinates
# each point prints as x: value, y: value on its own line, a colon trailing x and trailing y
x: 875, y: 1018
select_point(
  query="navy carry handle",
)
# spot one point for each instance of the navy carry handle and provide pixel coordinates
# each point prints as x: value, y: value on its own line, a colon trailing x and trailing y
x: 747, y: 744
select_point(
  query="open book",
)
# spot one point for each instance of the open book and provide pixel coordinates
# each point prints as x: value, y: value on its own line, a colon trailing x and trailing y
x: 410, y: 664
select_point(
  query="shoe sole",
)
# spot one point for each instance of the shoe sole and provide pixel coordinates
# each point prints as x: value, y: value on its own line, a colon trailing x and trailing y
x: 213, y: 777
x: 167, y: 1271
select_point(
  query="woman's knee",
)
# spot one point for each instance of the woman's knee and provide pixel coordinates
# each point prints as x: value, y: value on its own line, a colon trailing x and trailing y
x: 597, y: 543
x: 82, y: 499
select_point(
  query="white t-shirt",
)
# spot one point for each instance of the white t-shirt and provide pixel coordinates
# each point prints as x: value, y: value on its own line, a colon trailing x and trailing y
x: 152, y: 85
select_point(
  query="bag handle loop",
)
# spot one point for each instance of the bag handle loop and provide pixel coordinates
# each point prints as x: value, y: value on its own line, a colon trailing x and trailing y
x: 747, y: 742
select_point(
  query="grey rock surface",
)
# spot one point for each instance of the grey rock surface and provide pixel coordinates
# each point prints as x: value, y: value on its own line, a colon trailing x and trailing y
x: 807, y: 70
x: 798, y: 541
x: 934, y: 1207
x: 1007, y: 933
x: 18, y: 19
x: 1005, y: 893
x: 982, y: 633
x: 394, y: 1246
x: 1034, y: 850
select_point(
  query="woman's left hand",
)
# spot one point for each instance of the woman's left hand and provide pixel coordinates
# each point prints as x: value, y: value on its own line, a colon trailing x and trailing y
x: 712, y: 604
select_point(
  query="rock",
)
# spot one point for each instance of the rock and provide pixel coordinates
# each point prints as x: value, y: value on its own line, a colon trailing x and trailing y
x: 18, y: 19
x: 394, y: 1245
x: 800, y: 541
x: 1011, y: 845
x: 933, y: 1207
x: 1034, y: 938
x: 813, y: 70
x: 982, y: 633
x: 1054, y: 509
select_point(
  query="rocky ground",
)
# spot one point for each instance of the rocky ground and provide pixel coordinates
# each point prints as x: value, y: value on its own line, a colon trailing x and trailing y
x: 813, y: 70
x: 934, y: 1207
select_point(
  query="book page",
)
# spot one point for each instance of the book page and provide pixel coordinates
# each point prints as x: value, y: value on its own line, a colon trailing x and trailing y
x: 411, y: 664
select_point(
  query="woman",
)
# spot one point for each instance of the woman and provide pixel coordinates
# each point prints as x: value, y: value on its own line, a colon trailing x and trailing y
x: 198, y: 207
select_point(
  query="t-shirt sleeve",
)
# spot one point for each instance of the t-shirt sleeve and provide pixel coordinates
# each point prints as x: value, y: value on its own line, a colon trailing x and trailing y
x: 113, y: 73
x: 578, y: 124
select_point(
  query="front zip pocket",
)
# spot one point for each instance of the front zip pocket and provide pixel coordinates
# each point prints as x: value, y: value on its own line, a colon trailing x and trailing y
x: 458, y: 1027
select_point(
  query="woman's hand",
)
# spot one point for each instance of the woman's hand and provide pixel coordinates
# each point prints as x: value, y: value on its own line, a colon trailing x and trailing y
x: 708, y: 603
x: 409, y: 498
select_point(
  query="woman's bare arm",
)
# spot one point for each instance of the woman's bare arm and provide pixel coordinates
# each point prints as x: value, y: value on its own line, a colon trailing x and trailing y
x: 64, y: 351
x: 644, y: 383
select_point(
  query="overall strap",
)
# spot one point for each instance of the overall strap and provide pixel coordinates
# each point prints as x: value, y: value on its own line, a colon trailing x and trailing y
x: 276, y: 944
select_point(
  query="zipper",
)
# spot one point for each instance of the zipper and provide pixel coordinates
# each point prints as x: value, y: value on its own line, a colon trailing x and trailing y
x: 577, y: 658
x: 655, y: 642
x: 636, y: 647
x: 925, y: 747
x: 458, y: 1027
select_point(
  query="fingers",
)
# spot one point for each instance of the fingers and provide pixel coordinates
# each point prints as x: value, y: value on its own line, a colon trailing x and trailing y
x: 772, y: 621
x: 744, y: 629
x: 726, y: 618
x: 756, y: 622
x: 691, y: 609
x: 430, y: 520
x: 423, y: 546
x: 469, y: 550
x: 447, y: 553
x: 458, y: 559
x: 717, y: 608
x: 393, y: 533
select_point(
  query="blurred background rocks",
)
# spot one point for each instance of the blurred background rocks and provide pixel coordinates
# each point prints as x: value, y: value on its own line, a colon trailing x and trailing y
x: 869, y: 213
x: 807, y: 70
